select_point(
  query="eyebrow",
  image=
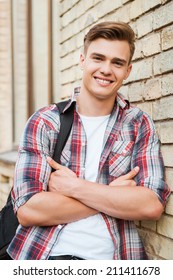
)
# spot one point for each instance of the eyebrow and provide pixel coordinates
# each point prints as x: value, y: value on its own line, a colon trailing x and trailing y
x: 115, y: 59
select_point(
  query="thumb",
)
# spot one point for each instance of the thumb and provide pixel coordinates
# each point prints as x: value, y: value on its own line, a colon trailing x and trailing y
x: 53, y: 163
x: 130, y: 175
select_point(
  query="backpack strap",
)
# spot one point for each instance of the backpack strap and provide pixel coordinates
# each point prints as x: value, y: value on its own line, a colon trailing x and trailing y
x: 66, y: 121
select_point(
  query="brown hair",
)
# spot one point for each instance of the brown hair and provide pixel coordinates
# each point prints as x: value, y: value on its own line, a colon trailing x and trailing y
x: 111, y: 30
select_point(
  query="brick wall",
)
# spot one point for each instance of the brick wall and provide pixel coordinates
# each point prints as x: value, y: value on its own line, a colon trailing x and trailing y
x: 150, y: 85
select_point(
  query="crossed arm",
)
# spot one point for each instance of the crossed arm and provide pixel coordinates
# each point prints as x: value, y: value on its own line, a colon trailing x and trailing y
x: 70, y: 198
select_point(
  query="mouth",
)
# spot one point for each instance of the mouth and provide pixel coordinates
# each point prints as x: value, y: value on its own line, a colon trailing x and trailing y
x: 102, y: 81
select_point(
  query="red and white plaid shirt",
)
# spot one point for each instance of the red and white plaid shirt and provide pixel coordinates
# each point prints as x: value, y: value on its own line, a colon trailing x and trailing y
x: 130, y: 140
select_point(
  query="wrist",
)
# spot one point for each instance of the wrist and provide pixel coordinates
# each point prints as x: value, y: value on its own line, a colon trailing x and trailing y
x: 75, y: 186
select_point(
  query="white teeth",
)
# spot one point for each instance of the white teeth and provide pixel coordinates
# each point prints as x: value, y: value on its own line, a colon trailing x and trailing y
x: 103, y: 81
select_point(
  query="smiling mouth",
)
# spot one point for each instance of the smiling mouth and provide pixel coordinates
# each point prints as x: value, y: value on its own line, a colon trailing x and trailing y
x: 103, y: 81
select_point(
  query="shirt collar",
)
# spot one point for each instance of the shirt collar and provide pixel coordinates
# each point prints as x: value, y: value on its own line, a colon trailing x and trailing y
x: 122, y: 102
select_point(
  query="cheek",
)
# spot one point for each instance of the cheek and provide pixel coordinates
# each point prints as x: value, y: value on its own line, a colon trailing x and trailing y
x: 121, y: 75
x: 88, y: 72
x: 91, y: 67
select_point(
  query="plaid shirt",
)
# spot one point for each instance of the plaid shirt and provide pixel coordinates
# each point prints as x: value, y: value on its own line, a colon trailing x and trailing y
x: 130, y: 140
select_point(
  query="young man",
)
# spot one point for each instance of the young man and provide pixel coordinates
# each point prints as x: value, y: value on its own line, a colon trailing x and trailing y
x: 111, y: 170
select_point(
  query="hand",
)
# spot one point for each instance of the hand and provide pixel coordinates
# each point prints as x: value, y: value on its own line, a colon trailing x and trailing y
x: 127, y: 179
x: 60, y: 176
x: 60, y: 169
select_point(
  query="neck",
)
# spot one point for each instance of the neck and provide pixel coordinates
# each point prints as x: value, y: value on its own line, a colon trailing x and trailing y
x: 90, y: 106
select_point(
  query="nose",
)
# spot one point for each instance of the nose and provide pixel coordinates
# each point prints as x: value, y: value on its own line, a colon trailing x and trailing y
x: 105, y: 68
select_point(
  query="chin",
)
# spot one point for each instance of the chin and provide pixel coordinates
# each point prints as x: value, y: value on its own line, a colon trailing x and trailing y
x: 104, y: 96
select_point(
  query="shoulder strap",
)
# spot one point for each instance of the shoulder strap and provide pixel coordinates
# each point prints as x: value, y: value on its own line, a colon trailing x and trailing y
x: 66, y: 121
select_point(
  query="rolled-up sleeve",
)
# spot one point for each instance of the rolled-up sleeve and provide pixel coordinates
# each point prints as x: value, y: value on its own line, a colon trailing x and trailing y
x: 32, y: 170
x: 148, y: 157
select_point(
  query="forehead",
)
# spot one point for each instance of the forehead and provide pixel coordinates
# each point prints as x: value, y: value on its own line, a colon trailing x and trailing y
x: 109, y: 48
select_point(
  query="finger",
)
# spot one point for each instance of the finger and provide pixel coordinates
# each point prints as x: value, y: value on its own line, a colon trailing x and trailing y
x: 132, y: 173
x: 123, y: 183
x: 129, y: 175
x: 55, y: 165
x: 65, y: 172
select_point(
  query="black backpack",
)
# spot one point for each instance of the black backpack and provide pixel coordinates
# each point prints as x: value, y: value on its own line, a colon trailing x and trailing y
x: 8, y: 220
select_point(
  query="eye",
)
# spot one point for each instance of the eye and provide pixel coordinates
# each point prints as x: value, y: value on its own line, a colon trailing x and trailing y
x: 97, y: 58
x: 118, y: 63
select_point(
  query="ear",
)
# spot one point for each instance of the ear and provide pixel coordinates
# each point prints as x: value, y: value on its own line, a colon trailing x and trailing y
x: 82, y: 60
x: 128, y: 71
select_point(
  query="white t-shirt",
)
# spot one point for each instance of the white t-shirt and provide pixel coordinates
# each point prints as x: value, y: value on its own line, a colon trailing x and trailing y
x: 88, y: 238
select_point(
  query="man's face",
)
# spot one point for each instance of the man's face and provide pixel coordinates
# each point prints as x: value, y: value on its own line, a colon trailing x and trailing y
x: 105, y: 65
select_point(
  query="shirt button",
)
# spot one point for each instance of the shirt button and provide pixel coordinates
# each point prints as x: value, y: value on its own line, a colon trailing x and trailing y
x: 83, y: 143
x: 59, y: 226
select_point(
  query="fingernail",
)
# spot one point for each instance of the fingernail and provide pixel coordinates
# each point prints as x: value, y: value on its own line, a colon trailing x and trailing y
x: 48, y: 159
x: 136, y: 168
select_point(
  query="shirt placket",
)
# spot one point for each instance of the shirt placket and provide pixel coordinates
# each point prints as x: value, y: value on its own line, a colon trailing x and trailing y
x: 78, y: 147
x: 83, y: 151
